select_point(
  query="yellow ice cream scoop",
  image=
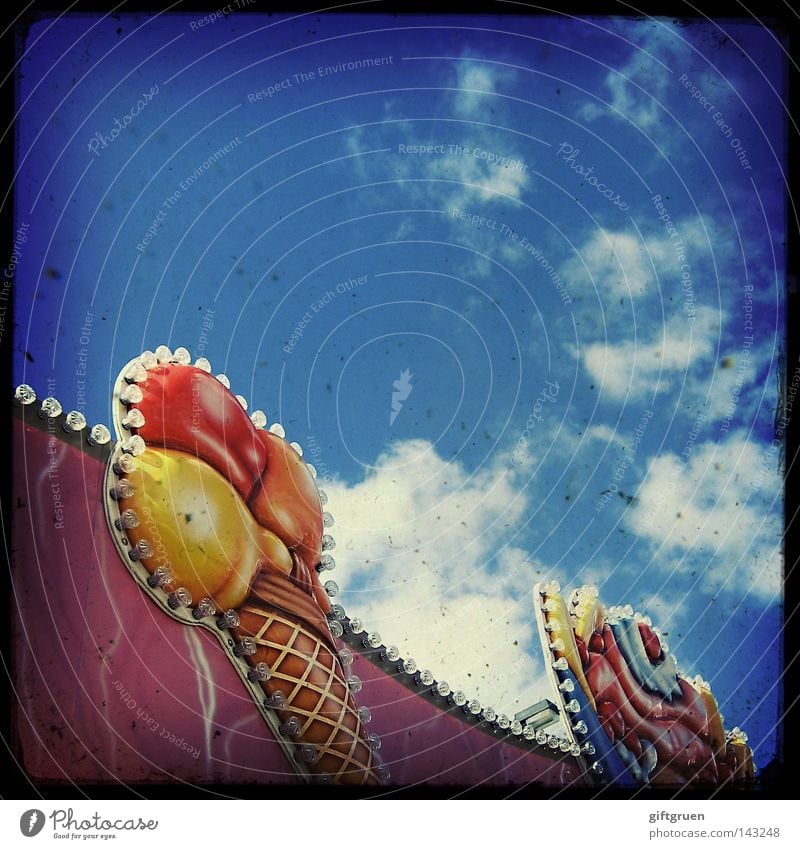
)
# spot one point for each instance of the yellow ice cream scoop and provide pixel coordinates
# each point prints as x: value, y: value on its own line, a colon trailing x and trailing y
x: 183, y: 516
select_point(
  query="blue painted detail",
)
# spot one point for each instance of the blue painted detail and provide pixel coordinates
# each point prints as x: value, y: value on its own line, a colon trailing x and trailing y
x: 658, y: 678
x: 614, y: 770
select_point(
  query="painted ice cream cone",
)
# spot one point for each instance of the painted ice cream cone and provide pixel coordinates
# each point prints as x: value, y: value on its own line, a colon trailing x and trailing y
x: 221, y: 522
x: 636, y: 718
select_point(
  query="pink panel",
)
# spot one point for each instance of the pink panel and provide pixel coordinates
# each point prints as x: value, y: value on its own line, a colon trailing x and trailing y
x: 109, y: 688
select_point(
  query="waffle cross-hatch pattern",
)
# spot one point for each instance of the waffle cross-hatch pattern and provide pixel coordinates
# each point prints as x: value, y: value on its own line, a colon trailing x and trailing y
x: 310, y: 677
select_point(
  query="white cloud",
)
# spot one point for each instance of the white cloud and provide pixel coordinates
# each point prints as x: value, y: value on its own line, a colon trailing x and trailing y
x: 637, y: 88
x: 476, y: 82
x: 735, y: 387
x: 417, y: 539
x: 622, y: 264
x: 604, y: 433
x: 721, y: 505
x: 636, y: 367
x: 617, y: 263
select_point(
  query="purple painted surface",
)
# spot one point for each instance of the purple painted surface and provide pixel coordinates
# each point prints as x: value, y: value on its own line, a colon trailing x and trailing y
x: 109, y: 688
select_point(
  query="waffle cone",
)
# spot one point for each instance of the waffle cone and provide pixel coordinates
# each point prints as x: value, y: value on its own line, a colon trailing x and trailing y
x: 306, y: 669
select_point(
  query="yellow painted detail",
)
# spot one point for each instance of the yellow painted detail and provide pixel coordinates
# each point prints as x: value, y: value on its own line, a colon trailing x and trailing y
x: 196, y: 523
x: 743, y: 758
x: 570, y: 651
x: 587, y: 617
x: 716, y: 730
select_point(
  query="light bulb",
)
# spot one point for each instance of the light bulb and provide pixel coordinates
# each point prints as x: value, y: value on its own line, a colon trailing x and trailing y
x: 136, y: 373
x: 180, y: 598
x: 74, y: 422
x: 50, y: 409
x: 142, y: 550
x: 229, y: 619
x: 135, y: 418
x: 127, y: 519
x: 131, y: 394
x: 290, y: 728
x: 306, y: 754
x: 134, y: 445
x: 163, y: 354
x: 260, y: 672
x: 99, y: 435
x: 245, y: 647
x: 123, y: 489
x: 409, y: 666
x: 326, y: 563
x: 160, y: 577
x: 391, y: 654
x: 25, y: 394
x: 204, y: 607
x: 372, y: 640
x: 276, y: 701
x: 425, y: 677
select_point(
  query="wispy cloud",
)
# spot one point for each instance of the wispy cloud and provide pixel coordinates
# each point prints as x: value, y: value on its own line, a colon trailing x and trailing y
x: 720, y: 506
x: 606, y: 434
x: 623, y: 263
x: 476, y: 82
x: 425, y: 560
x: 634, y: 368
x: 639, y: 87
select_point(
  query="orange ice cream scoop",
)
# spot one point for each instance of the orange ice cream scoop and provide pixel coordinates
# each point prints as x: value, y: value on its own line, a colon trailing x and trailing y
x: 196, y: 525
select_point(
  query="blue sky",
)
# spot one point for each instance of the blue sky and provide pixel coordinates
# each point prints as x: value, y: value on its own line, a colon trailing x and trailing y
x: 552, y: 224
